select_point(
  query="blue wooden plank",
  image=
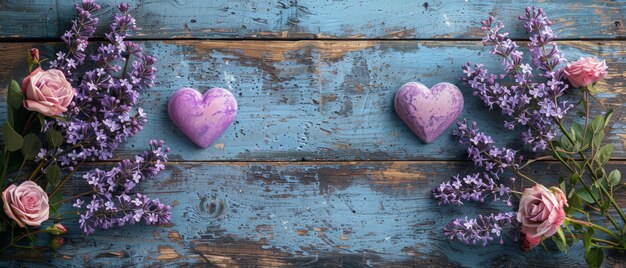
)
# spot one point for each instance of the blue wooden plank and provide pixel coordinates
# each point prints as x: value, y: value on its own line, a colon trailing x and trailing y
x: 312, y: 19
x: 295, y: 214
x: 325, y: 100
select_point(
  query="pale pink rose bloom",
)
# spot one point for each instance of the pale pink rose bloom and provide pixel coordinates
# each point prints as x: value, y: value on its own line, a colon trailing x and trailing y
x: 585, y: 71
x: 47, y: 92
x: 26, y: 204
x: 541, y: 212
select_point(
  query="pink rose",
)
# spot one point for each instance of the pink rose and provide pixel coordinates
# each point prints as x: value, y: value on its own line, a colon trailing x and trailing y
x: 541, y: 213
x: 47, y: 92
x: 27, y: 204
x: 585, y: 71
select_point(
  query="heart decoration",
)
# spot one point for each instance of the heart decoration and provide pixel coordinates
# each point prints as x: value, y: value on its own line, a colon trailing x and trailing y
x: 202, y: 118
x: 428, y: 112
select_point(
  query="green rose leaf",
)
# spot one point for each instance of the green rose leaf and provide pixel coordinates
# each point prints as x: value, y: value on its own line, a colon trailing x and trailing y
x: 53, y: 174
x: 575, y: 204
x: 598, y: 124
x: 566, y: 144
x: 32, y: 146
x: 604, y: 154
x: 594, y: 257
x: 562, y: 246
x: 587, y: 238
x: 15, y: 96
x: 586, y: 196
x: 574, y: 179
x: 55, y: 202
x: 54, y: 137
x: 607, y: 117
x: 12, y: 140
x: 597, y: 139
x: 614, y: 178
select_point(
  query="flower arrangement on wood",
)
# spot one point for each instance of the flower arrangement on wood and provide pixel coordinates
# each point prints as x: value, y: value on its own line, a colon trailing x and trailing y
x: 531, y: 97
x: 78, y: 110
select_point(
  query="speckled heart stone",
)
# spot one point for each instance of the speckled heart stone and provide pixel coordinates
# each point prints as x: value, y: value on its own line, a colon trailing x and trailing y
x: 202, y: 118
x: 428, y: 112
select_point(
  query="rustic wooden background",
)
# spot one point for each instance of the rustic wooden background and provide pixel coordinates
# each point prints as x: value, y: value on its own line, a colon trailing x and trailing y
x: 317, y: 169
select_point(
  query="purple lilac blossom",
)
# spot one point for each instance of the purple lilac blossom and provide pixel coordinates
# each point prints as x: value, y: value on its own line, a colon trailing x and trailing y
x: 476, y: 187
x: 112, y: 203
x: 482, y: 151
x: 77, y: 39
x: 103, y: 113
x: 483, y: 229
x: 534, y: 105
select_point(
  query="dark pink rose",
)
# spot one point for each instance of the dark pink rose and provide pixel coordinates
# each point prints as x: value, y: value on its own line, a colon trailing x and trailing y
x: 541, y: 212
x: 26, y: 204
x: 47, y: 92
x: 585, y: 71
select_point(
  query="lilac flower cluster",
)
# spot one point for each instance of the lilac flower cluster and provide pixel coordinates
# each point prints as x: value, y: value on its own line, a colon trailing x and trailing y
x: 482, y: 229
x: 101, y: 115
x: 77, y: 39
x: 473, y: 187
x: 534, y: 105
x: 122, y: 210
x: 482, y: 151
x: 111, y: 204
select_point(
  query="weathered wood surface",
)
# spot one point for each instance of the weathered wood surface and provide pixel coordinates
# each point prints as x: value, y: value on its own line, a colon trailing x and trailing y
x: 326, y: 100
x: 356, y: 189
x: 312, y: 19
x: 308, y: 214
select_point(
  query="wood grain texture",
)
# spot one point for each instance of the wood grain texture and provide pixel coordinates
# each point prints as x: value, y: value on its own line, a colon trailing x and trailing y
x: 312, y: 19
x: 351, y: 214
x: 326, y: 100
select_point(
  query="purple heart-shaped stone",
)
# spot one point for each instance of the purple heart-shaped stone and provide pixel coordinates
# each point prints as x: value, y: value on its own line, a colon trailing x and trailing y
x: 428, y: 112
x: 202, y: 118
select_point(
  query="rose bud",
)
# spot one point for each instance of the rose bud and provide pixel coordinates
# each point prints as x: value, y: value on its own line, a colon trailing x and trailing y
x: 57, y: 229
x: 541, y: 212
x: 56, y: 242
x: 47, y: 92
x: 34, y: 55
x: 585, y: 71
x: 26, y: 204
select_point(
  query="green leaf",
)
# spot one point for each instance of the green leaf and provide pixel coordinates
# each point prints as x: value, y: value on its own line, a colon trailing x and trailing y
x: 598, y: 124
x: 15, y: 96
x: 574, y: 179
x: 575, y: 203
x: 32, y: 146
x: 10, y: 114
x: 607, y: 117
x: 594, y: 257
x: 614, y: 178
x: 597, y: 139
x: 559, y: 243
x: 54, y: 137
x: 54, y: 200
x: 586, y: 196
x: 42, y: 121
x: 566, y: 144
x: 53, y: 174
x: 587, y: 238
x: 604, y: 154
x: 562, y: 243
x: 13, y: 141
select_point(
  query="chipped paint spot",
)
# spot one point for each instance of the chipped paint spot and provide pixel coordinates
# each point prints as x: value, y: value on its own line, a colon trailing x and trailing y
x: 174, y: 236
x: 167, y: 253
x: 219, y: 146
